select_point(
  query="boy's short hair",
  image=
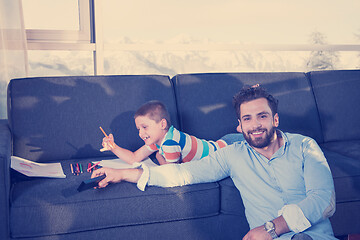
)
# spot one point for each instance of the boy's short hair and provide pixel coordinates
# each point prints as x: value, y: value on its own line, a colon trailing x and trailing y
x: 249, y: 93
x: 155, y: 110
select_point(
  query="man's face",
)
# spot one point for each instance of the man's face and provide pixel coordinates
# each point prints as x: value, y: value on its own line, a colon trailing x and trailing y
x: 257, y: 123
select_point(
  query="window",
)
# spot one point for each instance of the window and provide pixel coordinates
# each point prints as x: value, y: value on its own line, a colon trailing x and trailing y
x: 173, y: 37
x: 59, y: 37
x: 57, y: 20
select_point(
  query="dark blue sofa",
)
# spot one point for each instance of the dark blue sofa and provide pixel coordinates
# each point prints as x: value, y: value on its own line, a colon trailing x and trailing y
x: 57, y: 119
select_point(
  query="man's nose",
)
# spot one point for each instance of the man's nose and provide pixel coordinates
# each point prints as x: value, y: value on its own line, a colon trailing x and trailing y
x: 256, y: 124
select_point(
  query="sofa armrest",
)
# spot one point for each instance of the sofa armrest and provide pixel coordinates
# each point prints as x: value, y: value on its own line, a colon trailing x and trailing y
x: 5, y: 153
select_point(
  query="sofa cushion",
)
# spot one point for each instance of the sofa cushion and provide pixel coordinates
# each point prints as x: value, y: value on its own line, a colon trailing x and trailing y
x: 55, y: 118
x: 5, y: 153
x: 350, y: 148
x: 43, y: 207
x: 346, y: 219
x: 215, y: 228
x: 346, y: 175
x: 337, y: 96
x: 205, y: 102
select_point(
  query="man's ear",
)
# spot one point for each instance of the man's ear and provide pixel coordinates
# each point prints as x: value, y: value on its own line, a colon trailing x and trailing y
x: 238, y: 128
x: 276, y: 120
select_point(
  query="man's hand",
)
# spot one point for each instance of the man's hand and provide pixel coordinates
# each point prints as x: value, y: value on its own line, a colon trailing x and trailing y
x: 112, y: 176
x: 117, y: 175
x: 258, y: 233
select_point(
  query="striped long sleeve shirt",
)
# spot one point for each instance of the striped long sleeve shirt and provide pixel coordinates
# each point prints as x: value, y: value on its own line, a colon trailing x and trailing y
x: 180, y: 147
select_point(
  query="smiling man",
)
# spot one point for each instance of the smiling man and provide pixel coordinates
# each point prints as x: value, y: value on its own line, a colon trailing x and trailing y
x: 283, y: 178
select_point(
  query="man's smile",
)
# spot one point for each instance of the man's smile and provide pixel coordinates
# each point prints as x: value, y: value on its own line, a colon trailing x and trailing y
x: 257, y: 133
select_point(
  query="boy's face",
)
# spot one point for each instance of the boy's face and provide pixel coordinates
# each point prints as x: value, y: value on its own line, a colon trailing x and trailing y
x: 149, y: 130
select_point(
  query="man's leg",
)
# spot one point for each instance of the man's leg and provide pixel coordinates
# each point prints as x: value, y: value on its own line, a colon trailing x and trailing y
x: 301, y: 236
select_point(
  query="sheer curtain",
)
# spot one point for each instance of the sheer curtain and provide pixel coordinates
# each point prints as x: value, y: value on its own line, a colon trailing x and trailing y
x: 13, y: 52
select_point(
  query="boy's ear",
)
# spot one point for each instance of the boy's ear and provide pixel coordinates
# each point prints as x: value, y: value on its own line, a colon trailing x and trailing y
x: 238, y: 128
x: 163, y: 123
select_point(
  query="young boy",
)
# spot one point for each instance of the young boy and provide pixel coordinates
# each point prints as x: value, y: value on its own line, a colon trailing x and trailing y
x: 153, y: 122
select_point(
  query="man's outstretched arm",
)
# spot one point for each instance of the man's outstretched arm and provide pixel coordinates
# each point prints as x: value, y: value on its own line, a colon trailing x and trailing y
x: 209, y: 169
x: 117, y: 175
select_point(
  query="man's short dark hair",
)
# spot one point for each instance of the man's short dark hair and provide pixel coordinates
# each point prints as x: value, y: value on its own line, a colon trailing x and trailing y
x: 155, y: 110
x: 249, y: 93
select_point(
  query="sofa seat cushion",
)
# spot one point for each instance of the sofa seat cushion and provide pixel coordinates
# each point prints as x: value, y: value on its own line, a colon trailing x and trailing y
x: 43, y: 206
x: 346, y: 175
x: 232, y: 204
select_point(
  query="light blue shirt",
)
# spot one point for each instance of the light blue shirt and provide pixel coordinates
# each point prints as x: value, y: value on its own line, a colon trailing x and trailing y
x: 296, y: 183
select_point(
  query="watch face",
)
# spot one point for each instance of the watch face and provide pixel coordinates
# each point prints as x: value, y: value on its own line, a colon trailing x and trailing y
x: 269, y: 225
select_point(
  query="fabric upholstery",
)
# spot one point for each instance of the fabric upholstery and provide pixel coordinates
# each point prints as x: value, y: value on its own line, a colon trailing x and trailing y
x: 5, y: 153
x: 42, y: 207
x: 337, y: 97
x: 207, y: 98
x: 55, y: 118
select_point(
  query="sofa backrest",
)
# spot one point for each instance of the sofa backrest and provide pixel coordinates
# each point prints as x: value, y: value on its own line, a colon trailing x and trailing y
x: 205, y: 102
x: 338, y: 97
x: 54, y: 118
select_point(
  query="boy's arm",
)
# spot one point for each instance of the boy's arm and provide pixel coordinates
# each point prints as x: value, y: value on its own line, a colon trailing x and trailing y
x: 125, y: 154
x: 172, y: 152
x: 162, y: 160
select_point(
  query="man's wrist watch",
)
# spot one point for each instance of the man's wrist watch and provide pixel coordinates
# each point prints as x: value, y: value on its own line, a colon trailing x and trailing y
x: 270, y: 228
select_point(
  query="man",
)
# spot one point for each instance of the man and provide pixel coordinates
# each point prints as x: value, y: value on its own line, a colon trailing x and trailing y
x: 284, y: 179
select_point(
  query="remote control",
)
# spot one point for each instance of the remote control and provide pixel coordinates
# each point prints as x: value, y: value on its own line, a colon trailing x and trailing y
x: 90, y: 183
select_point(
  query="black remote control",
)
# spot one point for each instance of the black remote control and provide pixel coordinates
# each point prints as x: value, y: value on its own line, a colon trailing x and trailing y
x: 90, y: 183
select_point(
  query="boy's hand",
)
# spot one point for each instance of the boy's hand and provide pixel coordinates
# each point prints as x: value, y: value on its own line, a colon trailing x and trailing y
x: 108, y: 143
x: 112, y: 176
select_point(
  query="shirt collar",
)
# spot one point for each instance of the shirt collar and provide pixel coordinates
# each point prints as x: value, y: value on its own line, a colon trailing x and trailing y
x: 280, y: 151
x: 167, y: 136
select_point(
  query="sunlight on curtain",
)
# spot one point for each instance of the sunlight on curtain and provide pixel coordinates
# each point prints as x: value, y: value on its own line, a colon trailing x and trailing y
x: 13, y: 55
